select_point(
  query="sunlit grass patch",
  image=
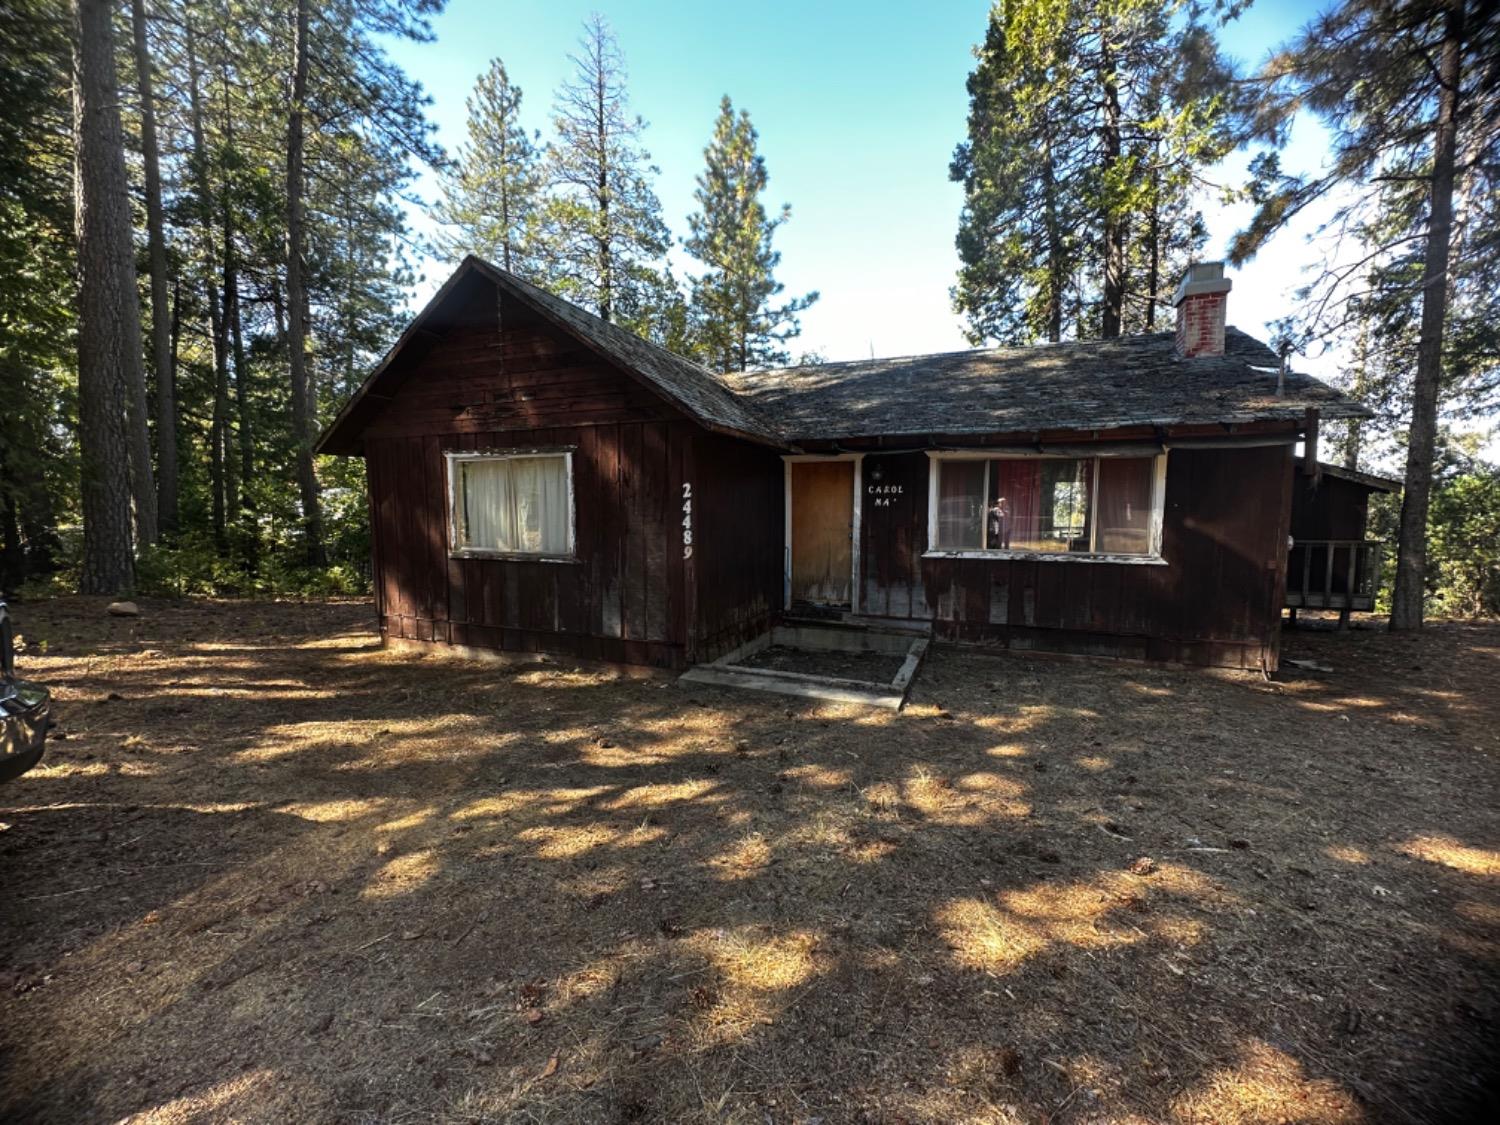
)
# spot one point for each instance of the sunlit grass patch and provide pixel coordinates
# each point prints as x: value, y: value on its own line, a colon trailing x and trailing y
x: 1265, y: 1084
x: 1347, y: 853
x: 1448, y: 852
x: 403, y: 875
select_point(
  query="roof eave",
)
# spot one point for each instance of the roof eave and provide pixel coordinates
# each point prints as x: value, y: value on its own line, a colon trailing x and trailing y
x: 337, y: 440
x: 332, y: 441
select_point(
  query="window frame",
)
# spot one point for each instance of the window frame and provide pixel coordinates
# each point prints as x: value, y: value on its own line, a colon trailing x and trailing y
x: 935, y: 458
x: 453, y: 457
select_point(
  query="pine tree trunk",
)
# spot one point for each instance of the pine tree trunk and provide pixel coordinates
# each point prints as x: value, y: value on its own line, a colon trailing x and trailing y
x: 223, y: 487
x: 505, y: 238
x: 138, y: 438
x: 12, y: 558
x: 243, y: 508
x: 296, y: 300
x: 161, y: 328
x: 221, y: 389
x: 245, y: 514
x: 1153, y: 234
x: 142, y: 479
x: 1354, y: 435
x: 109, y: 331
x: 1114, y: 220
x: 1352, y: 443
x: 1411, y: 559
x: 1056, y: 266
x: 606, y: 263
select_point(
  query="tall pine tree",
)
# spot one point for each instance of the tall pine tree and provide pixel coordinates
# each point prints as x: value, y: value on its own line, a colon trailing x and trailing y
x: 1090, y: 122
x: 736, y: 322
x: 109, y: 326
x: 603, y: 220
x: 1411, y: 95
x: 492, y: 198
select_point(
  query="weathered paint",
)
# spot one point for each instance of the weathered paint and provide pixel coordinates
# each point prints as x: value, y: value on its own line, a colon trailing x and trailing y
x: 1215, y: 601
x: 488, y: 378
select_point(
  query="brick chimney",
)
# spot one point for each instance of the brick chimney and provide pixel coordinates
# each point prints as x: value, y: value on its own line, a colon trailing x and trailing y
x: 1200, y: 301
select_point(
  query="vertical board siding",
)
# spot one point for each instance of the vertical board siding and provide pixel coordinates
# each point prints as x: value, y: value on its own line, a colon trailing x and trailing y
x: 1216, y: 602
x: 478, y: 389
x: 612, y: 603
x: 632, y: 596
x: 1329, y: 507
x: 739, y: 527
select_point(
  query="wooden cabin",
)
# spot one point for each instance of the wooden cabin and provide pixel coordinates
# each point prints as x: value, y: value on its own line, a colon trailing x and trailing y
x: 1332, y: 562
x: 543, y: 481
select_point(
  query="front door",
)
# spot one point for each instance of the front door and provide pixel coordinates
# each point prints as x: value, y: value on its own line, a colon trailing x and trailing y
x: 822, y: 532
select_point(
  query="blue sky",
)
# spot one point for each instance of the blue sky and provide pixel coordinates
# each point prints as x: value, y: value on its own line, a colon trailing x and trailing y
x: 859, y: 107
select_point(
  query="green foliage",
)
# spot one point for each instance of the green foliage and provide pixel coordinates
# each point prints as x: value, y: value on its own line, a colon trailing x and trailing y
x: 1463, y: 531
x: 1377, y: 93
x: 602, y: 220
x: 1409, y: 95
x: 736, y: 324
x: 194, y: 567
x: 579, y: 215
x: 220, y: 73
x: 492, y: 198
x: 38, y: 462
x: 1090, y: 122
x: 1463, y: 545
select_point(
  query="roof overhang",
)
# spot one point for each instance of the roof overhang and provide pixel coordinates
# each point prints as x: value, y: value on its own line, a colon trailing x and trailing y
x: 1371, y: 481
x: 345, y: 434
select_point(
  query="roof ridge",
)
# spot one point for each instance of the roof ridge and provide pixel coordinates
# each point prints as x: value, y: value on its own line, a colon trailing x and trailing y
x: 1038, y: 345
x: 763, y: 426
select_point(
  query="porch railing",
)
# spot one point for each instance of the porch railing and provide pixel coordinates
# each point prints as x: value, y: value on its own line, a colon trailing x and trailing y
x: 1333, y: 573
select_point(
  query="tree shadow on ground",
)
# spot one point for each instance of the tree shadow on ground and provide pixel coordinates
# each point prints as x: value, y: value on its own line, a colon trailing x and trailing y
x: 286, y: 874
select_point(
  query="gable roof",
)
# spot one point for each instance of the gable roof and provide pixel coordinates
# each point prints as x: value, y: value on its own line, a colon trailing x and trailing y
x: 1079, y: 385
x: 696, y: 389
x: 692, y: 388
x: 1093, y: 384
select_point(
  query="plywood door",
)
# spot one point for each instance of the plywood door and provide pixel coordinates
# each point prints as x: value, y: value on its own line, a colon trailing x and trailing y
x: 822, y: 531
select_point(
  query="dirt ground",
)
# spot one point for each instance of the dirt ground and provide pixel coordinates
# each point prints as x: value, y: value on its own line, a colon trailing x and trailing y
x: 871, y: 667
x: 269, y: 872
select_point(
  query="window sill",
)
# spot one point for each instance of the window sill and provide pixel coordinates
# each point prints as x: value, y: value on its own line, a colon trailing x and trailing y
x: 1047, y: 556
x: 511, y: 556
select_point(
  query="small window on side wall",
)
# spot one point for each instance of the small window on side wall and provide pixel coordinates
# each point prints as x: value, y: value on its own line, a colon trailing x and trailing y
x: 1046, y: 506
x: 511, y: 505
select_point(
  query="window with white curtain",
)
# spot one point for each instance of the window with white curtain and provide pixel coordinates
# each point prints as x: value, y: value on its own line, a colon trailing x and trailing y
x: 511, y: 503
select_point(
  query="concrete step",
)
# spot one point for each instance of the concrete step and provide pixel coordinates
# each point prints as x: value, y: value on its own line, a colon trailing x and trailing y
x: 792, y: 683
x: 726, y: 672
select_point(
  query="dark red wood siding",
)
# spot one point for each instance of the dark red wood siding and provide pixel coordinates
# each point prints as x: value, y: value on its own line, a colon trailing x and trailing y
x: 739, y: 528
x: 1217, y: 601
x: 497, y: 378
x: 624, y: 599
x: 1329, y: 507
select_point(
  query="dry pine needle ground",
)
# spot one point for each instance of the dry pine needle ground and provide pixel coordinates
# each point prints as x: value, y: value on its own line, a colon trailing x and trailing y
x: 269, y: 872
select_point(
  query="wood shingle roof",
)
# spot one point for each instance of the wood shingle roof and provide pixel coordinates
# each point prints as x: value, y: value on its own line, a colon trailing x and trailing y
x: 1080, y: 385
x: 1094, y: 384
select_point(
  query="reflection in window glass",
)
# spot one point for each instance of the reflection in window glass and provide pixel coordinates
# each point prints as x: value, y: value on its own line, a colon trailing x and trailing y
x: 961, y: 504
x: 1099, y: 505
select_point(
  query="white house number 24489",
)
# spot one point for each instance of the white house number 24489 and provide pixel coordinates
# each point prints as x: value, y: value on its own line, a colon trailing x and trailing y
x: 687, y: 519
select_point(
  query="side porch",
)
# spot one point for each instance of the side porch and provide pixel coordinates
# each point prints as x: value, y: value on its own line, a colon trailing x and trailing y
x: 1332, y: 563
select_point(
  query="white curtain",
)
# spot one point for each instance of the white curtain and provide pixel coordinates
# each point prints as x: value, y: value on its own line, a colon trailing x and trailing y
x: 514, y: 504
